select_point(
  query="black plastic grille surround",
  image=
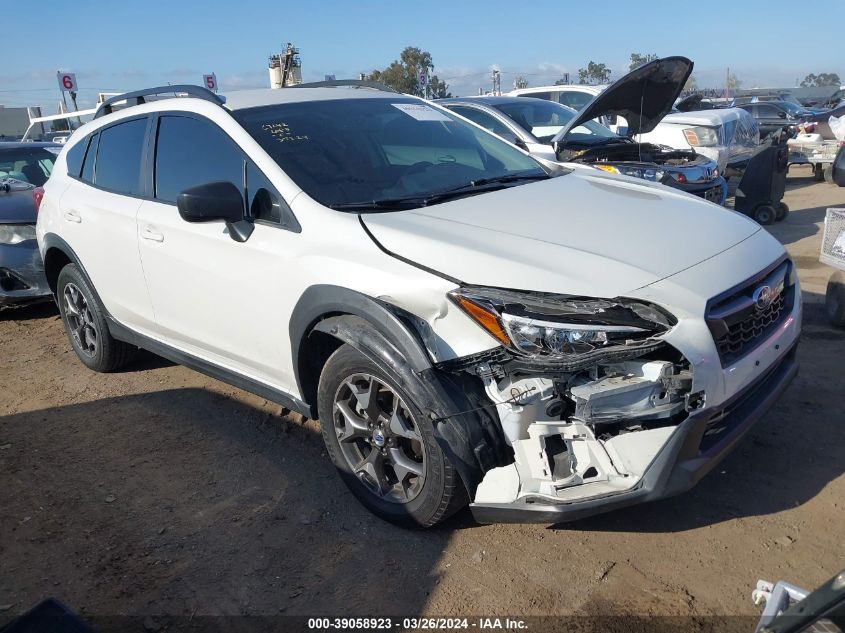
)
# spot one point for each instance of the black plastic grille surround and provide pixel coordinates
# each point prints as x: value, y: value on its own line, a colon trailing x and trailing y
x: 743, y: 333
x: 738, y: 324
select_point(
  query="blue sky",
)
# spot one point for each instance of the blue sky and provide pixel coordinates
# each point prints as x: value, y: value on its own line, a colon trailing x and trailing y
x: 128, y: 45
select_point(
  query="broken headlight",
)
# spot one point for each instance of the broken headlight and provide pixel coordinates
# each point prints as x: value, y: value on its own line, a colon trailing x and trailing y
x: 556, y: 326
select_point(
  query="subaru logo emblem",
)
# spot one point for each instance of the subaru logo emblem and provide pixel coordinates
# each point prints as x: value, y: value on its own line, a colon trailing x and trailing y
x: 378, y: 438
x: 763, y: 297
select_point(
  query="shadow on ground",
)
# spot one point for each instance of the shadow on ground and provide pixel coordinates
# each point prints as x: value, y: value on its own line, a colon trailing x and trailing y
x: 186, y: 501
x: 29, y: 312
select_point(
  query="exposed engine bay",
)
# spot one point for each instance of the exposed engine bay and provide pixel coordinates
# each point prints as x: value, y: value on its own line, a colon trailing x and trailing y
x: 588, y: 422
x: 627, y: 151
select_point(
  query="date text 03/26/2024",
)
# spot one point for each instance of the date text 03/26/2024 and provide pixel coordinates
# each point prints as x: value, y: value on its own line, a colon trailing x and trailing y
x: 416, y: 624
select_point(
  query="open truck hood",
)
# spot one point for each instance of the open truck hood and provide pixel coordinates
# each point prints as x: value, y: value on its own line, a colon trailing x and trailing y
x: 643, y: 96
x: 585, y: 233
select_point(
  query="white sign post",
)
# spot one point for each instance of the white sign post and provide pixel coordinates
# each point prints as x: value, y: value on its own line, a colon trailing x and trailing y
x: 423, y: 82
x: 67, y: 81
x: 210, y: 82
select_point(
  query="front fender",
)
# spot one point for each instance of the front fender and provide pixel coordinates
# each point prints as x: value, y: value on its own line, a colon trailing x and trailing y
x: 466, y: 430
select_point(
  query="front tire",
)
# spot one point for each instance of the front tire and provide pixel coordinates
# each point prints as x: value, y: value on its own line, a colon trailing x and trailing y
x: 382, y: 444
x: 85, y: 324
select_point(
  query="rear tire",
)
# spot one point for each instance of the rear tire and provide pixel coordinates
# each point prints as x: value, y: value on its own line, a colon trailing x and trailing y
x: 834, y: 299
x: 828, y: 175
x: 783, y: 211
x: 382, y: 444
x: 85, y: 323
x: 765, y: 214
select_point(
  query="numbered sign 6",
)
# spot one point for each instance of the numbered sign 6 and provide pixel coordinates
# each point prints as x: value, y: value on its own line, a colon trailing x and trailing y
x: 67, y: 82
x: 210, y: 82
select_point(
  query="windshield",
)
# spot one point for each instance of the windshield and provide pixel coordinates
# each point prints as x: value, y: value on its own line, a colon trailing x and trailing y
x: 32, y: 165
x: 350, y: 151
x: 544, y: 119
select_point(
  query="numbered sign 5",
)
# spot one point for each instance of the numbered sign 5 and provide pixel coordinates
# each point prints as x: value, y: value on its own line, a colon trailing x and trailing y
x: 210, y: 82
x: 67, y: 82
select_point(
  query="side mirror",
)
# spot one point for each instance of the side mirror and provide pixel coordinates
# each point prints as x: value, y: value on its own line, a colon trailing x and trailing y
x: 216, y: 201
x: 782, y: 115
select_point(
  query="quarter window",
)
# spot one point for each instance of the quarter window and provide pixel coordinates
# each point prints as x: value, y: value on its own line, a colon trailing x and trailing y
x: 75, y: 156
x: 90, y: 157
x: 191, y: 152
x: 263, y: 202
x: 119, y: 157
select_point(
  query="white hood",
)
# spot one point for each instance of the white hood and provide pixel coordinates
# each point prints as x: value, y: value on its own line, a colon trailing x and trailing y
x: 584, y: 233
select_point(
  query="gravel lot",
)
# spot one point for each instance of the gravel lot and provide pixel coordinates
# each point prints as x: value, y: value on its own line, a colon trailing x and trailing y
x: 159, y: 491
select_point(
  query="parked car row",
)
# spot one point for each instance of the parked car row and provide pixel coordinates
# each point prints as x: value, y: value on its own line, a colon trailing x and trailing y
x: 24, y: 169
x: 726, y: 136
x: 470, y: 323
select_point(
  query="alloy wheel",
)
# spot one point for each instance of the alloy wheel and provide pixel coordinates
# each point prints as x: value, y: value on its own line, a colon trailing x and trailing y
x: 80, y: 321
x: 379, y: 439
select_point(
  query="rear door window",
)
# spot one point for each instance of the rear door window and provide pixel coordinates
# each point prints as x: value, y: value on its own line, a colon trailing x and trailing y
x: 539, y: 95
x: 573, y: 99
x: 488, y: 122
x: 119, y: 157
x: 766, y: 111
x: 191, y: 152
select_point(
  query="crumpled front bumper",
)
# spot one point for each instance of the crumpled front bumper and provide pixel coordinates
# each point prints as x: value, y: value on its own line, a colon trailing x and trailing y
x: 22, y: 278
x: 697, y: 446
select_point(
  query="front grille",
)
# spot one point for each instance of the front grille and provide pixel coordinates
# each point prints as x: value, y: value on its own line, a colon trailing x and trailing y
x: 737, y: 319
x: 752, y: 327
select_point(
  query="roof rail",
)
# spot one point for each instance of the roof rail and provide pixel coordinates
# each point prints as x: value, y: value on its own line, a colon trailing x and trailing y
x: 192, y: 91
x: 355, y: 83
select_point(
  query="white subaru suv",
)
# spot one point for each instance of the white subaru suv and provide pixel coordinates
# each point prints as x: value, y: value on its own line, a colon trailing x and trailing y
x: 468, y: 324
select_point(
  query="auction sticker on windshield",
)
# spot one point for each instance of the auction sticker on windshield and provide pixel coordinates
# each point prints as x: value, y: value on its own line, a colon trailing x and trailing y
x: 421, y: 112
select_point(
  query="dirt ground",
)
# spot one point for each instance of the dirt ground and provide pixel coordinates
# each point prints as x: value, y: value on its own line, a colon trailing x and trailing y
x: 160, y: 491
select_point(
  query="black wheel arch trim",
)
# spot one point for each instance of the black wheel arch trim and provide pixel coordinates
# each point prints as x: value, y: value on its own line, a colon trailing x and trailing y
x: 53, y: 241
x: 466, y: 427
x: 322, y: 301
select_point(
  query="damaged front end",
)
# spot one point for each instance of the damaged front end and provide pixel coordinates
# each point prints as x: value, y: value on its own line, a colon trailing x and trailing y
x: 682, y: 169
x: 586, y: 391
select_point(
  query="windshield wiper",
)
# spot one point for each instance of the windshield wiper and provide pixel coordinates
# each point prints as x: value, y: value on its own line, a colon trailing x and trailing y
x: 472, y: 184
x: 385, y: 204
x: 421, y: 200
